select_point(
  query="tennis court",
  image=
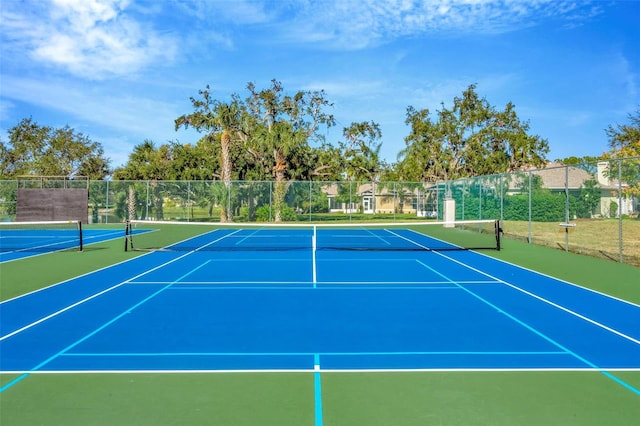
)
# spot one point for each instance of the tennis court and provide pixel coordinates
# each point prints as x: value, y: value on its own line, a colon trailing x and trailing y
x: 325, y: 302
x: 20, y: 240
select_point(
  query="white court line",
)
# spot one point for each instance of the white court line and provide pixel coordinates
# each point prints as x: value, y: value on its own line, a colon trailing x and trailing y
x: 563, y: 308
x: 542, y: 299
x: 270, y: 260
x: 299, y: 282
x: 549, y: 276
x: 41, y: 320
x: 329, y: 370
x: 74, y: 278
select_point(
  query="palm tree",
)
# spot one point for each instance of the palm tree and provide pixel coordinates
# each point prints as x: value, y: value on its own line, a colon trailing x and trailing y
x: 282, y: 125
x: 218, y: 118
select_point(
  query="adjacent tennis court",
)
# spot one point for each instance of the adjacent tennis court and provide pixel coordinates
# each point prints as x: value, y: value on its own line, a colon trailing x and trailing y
x: 23, y: 239
x: 325, y: 301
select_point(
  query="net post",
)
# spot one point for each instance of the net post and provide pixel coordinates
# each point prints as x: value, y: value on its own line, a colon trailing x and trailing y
x: 127, y: 233
x: 498, y: 230
x: 80, y: 235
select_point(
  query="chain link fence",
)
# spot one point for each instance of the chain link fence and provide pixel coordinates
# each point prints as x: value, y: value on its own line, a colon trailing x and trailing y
x: 590, y: 208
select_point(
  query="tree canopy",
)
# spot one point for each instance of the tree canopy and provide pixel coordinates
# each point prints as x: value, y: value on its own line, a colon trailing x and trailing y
x: 223, y: 122
x: 33, y: 149
x: 361, y: 151
x: 272, y: 134
x: 624, y: 139
x: 472, y: 138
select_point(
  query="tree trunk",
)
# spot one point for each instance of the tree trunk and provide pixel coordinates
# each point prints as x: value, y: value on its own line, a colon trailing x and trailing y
x: 131, y: 203
x: 280, y: 189
x: 226, y: 214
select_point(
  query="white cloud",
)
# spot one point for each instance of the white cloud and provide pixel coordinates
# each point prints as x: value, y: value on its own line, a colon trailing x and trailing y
x: 356, y: 24
x: 623, y: 71
x: 5, y: 107
x: 86, y: 13
x: 234, y: 12
x: 94, y: 39
x: 118, y: 113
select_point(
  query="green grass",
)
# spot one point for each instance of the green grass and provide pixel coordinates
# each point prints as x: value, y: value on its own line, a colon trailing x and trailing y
x: 400, y: 398
x: 593, y: 237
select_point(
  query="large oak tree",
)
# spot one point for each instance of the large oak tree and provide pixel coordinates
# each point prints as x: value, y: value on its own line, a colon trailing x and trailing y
x: 33, y: 149
x: 472, y: 138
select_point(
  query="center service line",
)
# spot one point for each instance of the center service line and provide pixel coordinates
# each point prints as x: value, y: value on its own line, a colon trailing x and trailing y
x: 317, y: 389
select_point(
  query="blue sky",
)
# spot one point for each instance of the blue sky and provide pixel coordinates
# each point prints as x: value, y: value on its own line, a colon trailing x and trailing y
x: 121, y: 71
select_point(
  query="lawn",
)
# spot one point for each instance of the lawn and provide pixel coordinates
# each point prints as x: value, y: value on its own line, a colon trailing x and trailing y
x: 592, y: 237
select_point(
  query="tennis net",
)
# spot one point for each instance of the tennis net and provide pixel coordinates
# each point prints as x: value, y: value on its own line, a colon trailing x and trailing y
x: 40, y: 236
x: 412, y: 236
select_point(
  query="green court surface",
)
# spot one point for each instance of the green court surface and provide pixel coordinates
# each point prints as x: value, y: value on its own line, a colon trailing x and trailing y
x: 464, y: 398
x: 348, y: 398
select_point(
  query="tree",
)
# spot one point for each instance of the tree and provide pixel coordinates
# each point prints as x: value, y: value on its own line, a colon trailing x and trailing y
x: 147, y: 163
x: 282, y: 124
x: 624, y: 141
x: 193, y: 162
x: 226, y: 118
x: 424, y: 158
x: 578, y: 161
x: 472, y: 138
x: 41, y: 150
x: 362, y: 151
x: 587, y: 163
x: 588, y: 199
x: 324, y: 163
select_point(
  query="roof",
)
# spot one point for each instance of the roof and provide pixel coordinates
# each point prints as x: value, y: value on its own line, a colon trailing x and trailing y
x: 554, y: 176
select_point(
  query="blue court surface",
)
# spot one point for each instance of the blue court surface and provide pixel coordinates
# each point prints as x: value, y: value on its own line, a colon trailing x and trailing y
x: 21, y: 243
x: 307, y: 309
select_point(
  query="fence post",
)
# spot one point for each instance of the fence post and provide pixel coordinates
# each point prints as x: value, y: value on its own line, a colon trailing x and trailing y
x: 530, y: 212
x: 620, y: 242
x: 502, y: 197
x: 480, y: 198
x: 463, y: 191
x: 310, y: 197
x: 395, y: 201
x: 106, y: 206
x: 189, y: 208
x: 228, y: 206
x: 270, y: 198
x: 350, y: 201
x: 566, y: 207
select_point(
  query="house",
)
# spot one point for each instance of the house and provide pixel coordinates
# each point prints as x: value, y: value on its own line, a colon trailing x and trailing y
x: 560, y: 178
x: 613, y: 191
x: 425, y: 199
x: 382, y: 198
